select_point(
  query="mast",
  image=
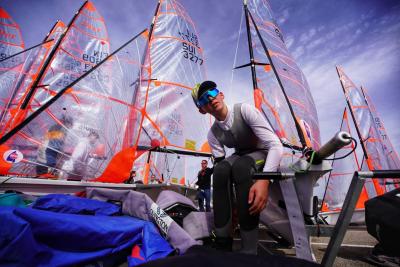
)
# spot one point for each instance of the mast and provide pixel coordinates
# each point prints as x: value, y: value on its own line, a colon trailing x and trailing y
x: 147, y: 50
x: 127, y: 138
x: 298, y: 127
x: 249, y: 42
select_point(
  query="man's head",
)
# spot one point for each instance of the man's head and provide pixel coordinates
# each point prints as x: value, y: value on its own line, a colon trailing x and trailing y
x: 208, y: 98
x: 204, y: 164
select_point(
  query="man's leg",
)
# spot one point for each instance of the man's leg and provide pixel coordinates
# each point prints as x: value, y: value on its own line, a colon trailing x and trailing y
x: 222, y: 203
x: 207, y: 195
x: 200, y: 198
x: 242, y: 173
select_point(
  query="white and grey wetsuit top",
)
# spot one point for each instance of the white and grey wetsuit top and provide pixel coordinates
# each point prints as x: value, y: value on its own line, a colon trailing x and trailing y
x: 245, y: 131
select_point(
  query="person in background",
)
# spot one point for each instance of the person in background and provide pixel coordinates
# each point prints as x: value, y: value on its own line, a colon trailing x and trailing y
x: 204, y: 186
x: 52, y: 146
x: 77, y: 165
x: 153, y: 179
x: 131, y: 178
x: 257, y: 148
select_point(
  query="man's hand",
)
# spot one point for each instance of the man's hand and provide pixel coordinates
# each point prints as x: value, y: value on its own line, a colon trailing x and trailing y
x: 258, y: 196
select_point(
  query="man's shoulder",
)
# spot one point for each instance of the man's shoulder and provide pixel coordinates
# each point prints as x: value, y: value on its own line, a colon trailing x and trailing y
x: 247, y: 107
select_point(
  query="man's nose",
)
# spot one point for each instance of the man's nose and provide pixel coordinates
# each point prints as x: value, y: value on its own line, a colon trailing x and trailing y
x: 211, y: 99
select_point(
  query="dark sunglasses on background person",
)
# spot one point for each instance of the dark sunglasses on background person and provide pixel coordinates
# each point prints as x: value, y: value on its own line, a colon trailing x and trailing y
x: 206, y: 97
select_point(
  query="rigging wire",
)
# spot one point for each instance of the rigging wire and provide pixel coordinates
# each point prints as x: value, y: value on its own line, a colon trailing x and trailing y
x: 235, y: 57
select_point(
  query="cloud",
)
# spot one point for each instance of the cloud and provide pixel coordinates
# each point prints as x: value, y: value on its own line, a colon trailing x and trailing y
x: 283, y: 16
x: 305, y: 37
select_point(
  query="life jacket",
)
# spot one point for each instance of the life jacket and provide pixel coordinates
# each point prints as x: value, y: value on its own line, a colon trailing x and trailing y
x: 240, y: 136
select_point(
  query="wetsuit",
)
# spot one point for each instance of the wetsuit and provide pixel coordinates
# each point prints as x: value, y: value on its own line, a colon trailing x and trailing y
x: 256, y: 148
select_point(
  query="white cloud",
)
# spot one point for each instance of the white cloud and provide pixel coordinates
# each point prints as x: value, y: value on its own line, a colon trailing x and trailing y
x: 283, y: 16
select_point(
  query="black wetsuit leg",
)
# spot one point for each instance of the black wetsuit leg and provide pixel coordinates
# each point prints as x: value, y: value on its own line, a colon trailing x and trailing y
x: 222, y: 193
x: 242, y: 172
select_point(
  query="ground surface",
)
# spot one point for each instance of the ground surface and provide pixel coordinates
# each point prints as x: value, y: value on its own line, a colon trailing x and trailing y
x: 356, y: 246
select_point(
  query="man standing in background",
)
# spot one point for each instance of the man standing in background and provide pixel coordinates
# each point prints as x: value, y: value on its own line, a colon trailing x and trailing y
x: 204, y: 184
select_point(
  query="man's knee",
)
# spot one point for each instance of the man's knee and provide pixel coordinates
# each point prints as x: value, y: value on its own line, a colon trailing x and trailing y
x: 222, y: 173
x: 243, y: 169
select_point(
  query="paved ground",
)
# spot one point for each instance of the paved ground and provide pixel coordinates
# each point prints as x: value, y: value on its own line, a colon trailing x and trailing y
x: 356, y: 245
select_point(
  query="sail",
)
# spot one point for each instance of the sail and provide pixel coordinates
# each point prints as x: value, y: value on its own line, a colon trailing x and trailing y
x: 10, y: 36
x: 78, y: 134
x: 390, y: 153
x: 339, y: 179
x: 32, y: 65
x: 11, y: 43
x: 369, y: 136
x: 174, y: 64
x: 81, y: 46
x: 282, y: 92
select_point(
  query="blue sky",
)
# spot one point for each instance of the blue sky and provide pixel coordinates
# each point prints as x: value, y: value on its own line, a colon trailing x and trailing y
x: 363, y: 36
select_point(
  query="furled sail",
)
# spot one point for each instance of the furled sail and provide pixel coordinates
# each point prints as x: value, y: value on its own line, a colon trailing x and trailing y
x: 33, y: 63
x: 340, y: 177
x: 281, y: 91
x: 78, y: 133
x: 82, y: 45
x: 370, y: 139
x: 174, y: 64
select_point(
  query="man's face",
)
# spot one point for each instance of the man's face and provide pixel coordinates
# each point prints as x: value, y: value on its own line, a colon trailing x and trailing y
x: 204, y: 164
x: 215, y: 105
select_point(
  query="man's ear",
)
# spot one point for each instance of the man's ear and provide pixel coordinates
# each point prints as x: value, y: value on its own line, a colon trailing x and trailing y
x: 222, y: 95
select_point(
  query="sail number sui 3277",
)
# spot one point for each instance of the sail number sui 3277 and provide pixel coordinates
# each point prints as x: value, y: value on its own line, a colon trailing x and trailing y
x: 189, y: 46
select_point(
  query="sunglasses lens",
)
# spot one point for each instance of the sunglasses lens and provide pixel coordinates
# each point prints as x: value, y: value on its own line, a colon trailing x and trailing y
x: 205, y: 98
